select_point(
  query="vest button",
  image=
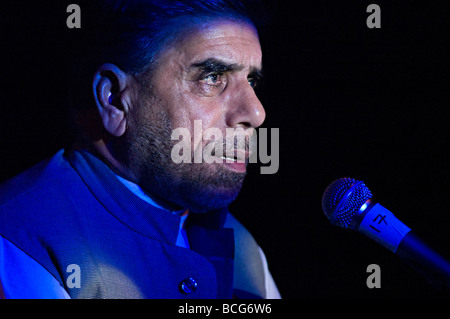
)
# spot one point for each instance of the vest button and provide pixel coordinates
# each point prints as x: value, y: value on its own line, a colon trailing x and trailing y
x: 188, y: 285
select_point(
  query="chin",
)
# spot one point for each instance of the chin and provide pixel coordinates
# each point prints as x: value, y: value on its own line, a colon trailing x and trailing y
x: 210, y: 199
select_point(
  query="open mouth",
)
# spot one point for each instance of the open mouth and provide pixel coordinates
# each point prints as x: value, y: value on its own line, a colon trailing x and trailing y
x: 239, y: 156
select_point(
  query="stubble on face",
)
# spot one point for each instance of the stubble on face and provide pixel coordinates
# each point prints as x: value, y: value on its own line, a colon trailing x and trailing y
x: 179, y: 89
x: 199, y: 187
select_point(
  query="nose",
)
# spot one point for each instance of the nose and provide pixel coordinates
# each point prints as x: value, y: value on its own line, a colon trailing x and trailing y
x: 245, y: 108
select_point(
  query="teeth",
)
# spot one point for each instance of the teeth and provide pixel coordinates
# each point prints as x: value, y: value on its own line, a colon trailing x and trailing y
x: 227, y: 158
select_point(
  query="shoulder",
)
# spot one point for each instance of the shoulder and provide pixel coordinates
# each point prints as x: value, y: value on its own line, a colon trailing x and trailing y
x: 43, y: 176
x: 241, y: 232
x: 40, y: 191
x: 252, y: 278
x: 22, y: 277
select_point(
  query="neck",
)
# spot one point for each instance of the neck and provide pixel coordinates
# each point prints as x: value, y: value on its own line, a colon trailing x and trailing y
x: 101, y: 150
x: 104, y: 152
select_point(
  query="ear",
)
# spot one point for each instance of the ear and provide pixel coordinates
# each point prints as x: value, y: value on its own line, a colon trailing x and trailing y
x: 110, y: 89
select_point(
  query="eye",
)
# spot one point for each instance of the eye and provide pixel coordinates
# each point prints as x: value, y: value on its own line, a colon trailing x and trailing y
x: 213, y: 79
x: 252, y: 82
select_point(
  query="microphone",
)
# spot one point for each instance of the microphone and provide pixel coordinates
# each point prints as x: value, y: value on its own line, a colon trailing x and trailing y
x: 348, y: 203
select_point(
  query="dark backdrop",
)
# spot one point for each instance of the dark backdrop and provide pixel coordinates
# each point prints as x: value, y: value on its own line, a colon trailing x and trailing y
x: 348, y: 101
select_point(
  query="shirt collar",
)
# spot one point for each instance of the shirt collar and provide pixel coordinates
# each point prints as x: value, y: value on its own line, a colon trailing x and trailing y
x: 131, y: 210
x: 139, y: 192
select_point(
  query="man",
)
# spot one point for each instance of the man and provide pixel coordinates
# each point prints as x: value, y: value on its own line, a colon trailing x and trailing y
x: 115, y: 216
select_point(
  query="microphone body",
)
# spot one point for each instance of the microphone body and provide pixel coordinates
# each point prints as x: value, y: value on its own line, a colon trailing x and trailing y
x: 379, y: 224
x: 348, y: 203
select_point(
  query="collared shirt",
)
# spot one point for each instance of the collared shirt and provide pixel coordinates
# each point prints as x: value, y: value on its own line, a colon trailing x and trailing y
x: 21, y: 276
x: 182, y: 240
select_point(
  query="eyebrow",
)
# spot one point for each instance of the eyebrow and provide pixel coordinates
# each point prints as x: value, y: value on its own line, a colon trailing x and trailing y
x: 213, y: 65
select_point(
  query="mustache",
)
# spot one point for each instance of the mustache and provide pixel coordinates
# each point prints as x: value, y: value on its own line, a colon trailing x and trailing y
x: 236, y: 148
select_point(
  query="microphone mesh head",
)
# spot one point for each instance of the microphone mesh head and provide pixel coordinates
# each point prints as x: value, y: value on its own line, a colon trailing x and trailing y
x: 343, y: 199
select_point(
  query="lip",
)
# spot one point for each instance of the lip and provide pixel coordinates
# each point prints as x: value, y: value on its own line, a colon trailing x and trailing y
x: 239, y: 156
x: 238, y: 163
x: 236, y: 166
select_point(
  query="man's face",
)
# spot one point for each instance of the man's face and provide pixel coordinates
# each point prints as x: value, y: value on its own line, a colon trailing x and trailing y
x: 208, y: 74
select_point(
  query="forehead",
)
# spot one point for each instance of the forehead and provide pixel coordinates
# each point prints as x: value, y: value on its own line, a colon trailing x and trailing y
x: 229, y: 41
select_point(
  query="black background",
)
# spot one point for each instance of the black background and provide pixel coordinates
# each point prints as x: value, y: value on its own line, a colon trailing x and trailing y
x: 348, y: 101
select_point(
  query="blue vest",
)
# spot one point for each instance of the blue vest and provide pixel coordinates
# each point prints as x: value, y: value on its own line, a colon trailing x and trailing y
x: 72, y: 210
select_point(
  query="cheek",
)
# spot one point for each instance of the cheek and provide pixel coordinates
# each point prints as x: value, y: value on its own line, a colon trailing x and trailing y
x: 206, y: 116
x: 186, y: 110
